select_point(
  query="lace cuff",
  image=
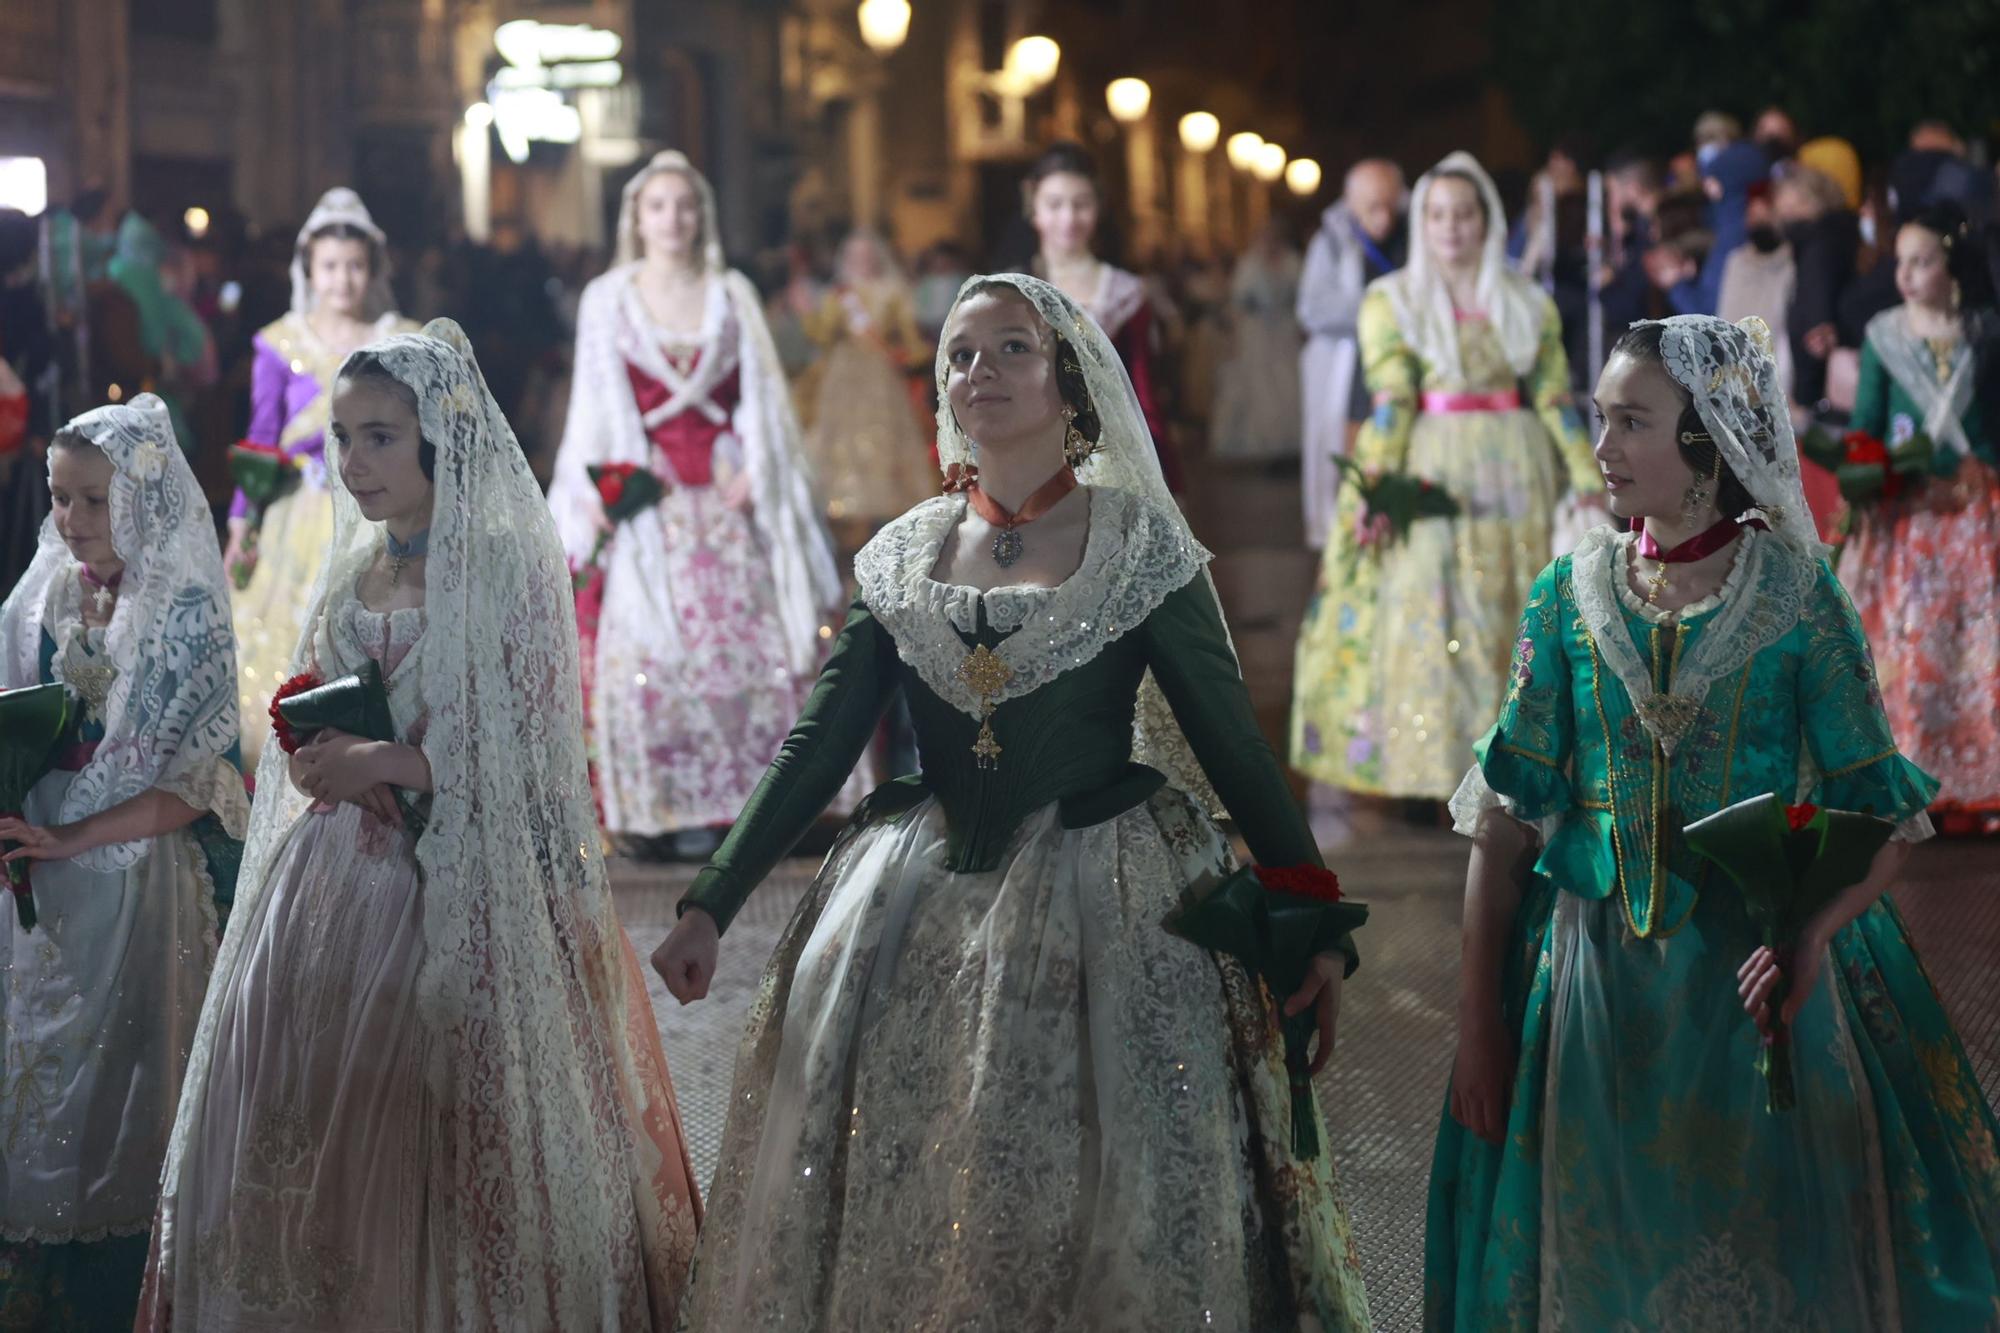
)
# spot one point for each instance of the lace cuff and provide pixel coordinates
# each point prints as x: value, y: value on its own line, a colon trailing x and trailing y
x: 215, y: 786
x: 1474, y: 798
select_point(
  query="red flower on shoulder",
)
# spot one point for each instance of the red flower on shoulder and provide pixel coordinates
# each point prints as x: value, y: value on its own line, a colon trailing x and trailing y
x: 288, y: 740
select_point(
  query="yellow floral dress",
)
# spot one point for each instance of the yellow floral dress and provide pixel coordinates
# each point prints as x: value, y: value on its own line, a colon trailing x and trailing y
x: 1403, y: 656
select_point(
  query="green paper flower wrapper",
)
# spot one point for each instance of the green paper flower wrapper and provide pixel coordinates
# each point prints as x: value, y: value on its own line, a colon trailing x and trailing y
x: 358, y: 705
x: 263, y: 473
x: 1391, y: 502
x: 626, y: 490
x: 1788, y: 862
x: 1276, y: 921
x: 32, y: 723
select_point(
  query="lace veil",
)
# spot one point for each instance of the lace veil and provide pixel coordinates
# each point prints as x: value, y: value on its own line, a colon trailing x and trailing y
x: 339, y: 207
x: 1125, y: 459
x: 1513, y: 305
x: 631, y: 247
x: 520, y: 978
x: 170, y: 719
x: 1731, y: 372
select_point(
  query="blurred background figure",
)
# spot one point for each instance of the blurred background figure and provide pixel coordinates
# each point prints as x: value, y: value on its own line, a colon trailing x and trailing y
x: 1257, y: 415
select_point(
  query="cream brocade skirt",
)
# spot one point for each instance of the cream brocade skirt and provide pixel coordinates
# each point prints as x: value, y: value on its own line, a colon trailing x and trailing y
x: 1012, y: 1100
x: 270, y: 612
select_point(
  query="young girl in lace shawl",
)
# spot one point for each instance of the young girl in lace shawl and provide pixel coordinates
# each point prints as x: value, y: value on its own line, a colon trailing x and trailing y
x: 132, y: 840
x: 1607, y: 1160
x: 426, y: 1090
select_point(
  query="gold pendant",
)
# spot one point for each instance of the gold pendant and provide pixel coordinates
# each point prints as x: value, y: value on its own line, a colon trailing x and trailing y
x: 985, y: 675
x: 1658, y: 584
x: 102, y: 599
x: 396, y: 563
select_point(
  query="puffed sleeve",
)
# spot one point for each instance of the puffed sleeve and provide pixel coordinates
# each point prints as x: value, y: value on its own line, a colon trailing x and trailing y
x: 1395, y: 378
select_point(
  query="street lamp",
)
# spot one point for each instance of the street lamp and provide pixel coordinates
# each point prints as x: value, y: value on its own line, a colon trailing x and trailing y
x: 1243, y: 148
x: 1199, y: 131
x: 1302, y: 177
x: 884, y: 24
x: 1032, y: 62
x: 1128, y: 100
x: 1269, y: 164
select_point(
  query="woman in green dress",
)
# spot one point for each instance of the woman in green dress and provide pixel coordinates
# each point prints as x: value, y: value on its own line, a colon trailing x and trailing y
x: 1606, y: 1160
x: 982, y: 1086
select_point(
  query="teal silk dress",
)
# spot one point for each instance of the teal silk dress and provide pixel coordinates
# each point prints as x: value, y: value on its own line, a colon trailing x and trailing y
x: 1642, y: 1185
x: 982, y: 1087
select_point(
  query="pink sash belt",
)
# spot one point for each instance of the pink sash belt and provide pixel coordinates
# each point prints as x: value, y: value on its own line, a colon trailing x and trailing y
x: 1507, y: 400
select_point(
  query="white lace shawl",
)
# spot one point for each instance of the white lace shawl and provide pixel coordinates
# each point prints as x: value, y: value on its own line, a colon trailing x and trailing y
x: 171, y: 716
x: 1909, y: 362
x: 1513, y: 305
x: 520, y: 978
x: 604, y: 426
x: 1134, y: 557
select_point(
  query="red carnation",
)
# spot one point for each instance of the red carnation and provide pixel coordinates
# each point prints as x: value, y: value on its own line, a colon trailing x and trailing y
x: 1306, y: 881
x: 288, y: 740
x: 1798, y: 816
x: 1864, y: 448
x: 611, y: 480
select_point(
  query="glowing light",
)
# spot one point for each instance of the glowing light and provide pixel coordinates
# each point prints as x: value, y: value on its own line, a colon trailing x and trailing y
x: 115, y: 393
x: 527, y: 43
x: 1200, y: 131
x: 1243, y: 148
x: 524, y: 114
x: 1032, y: 62
x: 1269, y: 164
x: 1302, y: 177
x: 479, y: 115
x: 196, y: 222
x: 884, y: 24
x: 24, y: 184
x: 1128, y: 99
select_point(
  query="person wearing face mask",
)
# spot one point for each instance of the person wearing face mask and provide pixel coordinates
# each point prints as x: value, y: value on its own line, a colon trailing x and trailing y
x: 986, y: 1086
x: 869, y: 447
x: 426, y: 1091
x: 1825, y: 238
x: 1403, y: 653
x: 132, y: 840
x: 1615, y: 991
x: 340, y: 299
x: 1920, y: 564
x: 1363, y: 237
x: 701, y: 616
x: 1759, y: 277
x: 1064, y: 203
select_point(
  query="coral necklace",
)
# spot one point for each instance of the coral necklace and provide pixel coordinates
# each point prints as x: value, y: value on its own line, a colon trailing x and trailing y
x: 1007, y: 543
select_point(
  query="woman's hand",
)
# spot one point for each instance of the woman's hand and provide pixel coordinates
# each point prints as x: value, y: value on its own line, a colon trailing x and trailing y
x: 1764, y: 969
x: 1321, y: 991
x: 239, y: 558
x: 685, y: 960
x: 1482, y: 1077
x: 335, y: 766
x: 736, y: 491
x: 54, y: 842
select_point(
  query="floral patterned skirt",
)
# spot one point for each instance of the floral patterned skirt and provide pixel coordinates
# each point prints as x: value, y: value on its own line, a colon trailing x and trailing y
x: 1011, y: 1100
x: 1642, y: 1185
x: 1924, y: 574
x: 1402, y: 660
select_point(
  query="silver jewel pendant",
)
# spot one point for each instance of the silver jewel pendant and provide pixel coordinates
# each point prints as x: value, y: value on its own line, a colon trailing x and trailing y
x: 1007, y: 547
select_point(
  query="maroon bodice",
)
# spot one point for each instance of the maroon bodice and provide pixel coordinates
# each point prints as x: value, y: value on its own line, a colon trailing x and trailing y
x: 686, y: 440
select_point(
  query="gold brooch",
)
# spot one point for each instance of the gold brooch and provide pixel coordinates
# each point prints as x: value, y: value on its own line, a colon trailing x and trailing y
x: 985, y: 675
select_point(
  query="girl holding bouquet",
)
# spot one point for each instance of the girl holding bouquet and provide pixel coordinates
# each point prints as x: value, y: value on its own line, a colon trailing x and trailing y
x: 426, y: 1091
x: 1609, y: 1158
x: 1402, y: 658
x: 982, y: 1077
x: 340, y: 300
x: 131, y: 841
x: 1922, y: 565
x: 701, y: 618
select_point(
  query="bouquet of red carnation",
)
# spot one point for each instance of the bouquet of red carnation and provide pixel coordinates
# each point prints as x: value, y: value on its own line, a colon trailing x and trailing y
x: 263, y: 473
x: 1276, y: 920
x: 1789, y: 862
x: 1391, y: 502
x: 356, y: 704
x: 32, y: 722
x: 626, y: 490
x: 1866, y: 468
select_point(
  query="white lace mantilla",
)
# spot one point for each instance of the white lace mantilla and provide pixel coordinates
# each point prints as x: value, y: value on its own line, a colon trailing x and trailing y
x: 1134, y: 557
x: 1776, y: 579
